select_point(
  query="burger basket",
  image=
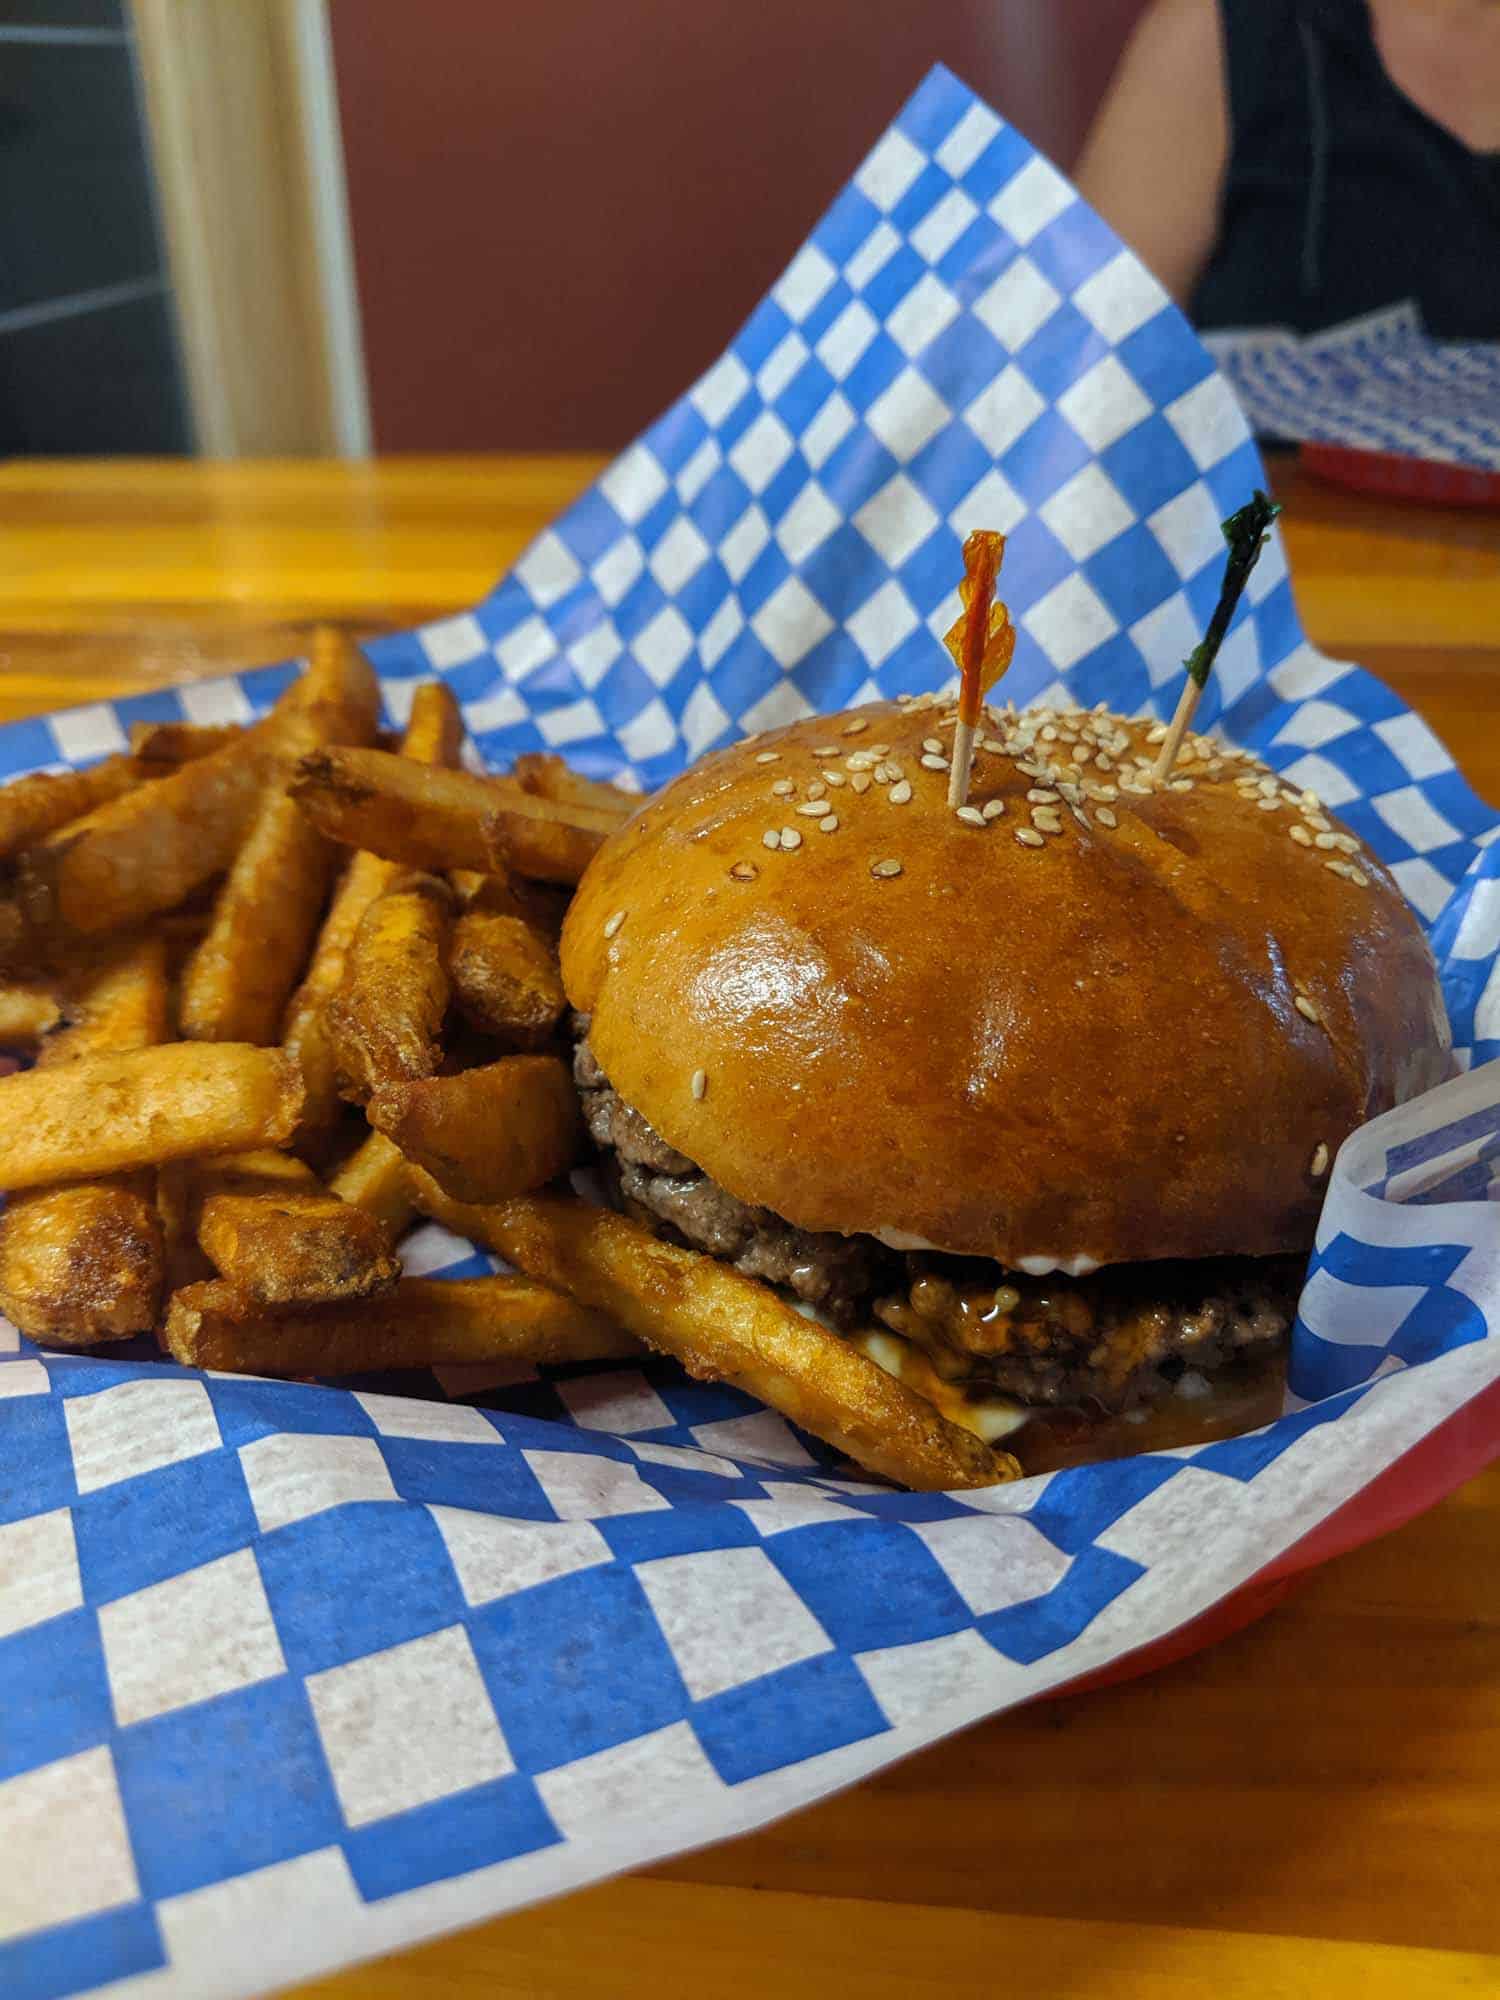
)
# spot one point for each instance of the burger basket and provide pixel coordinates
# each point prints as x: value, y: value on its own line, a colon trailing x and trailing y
x: 292, y: 1675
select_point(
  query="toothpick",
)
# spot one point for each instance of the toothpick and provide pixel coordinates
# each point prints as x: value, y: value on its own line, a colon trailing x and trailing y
x: 963, y: 762
x: 1246, y: 534
x: 981, y: 640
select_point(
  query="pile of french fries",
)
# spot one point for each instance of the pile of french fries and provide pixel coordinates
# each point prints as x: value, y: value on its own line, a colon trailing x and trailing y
x: 285, y: 988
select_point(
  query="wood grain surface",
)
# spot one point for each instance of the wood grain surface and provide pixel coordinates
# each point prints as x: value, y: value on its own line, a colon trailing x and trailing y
x: 1312, y: 1807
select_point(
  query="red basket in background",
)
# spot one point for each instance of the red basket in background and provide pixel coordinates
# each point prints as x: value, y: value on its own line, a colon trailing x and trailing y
x: 1397, y: 477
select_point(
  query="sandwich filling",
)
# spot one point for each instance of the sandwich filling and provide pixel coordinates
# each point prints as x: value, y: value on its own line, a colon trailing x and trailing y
x: 1114, y: 1340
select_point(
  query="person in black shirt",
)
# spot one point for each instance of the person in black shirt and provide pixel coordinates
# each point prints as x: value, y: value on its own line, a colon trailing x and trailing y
x: 1303, y: 163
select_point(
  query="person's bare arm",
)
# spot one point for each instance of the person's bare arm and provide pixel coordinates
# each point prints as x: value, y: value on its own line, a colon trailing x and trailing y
x: 1153, y: 165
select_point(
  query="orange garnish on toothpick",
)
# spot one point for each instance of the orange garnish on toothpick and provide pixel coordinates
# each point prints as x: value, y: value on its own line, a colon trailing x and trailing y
x: 981, y: 641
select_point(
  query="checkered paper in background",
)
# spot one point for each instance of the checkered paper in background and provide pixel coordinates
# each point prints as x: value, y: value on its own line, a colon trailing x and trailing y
x: 1380, y: 383
x: 292, y: 1675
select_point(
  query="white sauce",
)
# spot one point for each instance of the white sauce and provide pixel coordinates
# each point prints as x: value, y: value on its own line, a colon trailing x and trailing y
x: 1080, y: 1265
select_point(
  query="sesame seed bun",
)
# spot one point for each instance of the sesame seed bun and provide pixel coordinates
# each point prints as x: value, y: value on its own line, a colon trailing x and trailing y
x: 1046, y: 1039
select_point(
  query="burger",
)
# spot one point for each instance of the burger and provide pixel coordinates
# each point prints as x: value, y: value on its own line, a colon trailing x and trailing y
x: 1034, y: 1099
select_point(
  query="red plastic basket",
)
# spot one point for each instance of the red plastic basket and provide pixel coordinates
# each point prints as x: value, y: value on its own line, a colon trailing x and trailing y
x: 1400, y: 478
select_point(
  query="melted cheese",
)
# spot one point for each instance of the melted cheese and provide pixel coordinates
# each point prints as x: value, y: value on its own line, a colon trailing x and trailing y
x: 989, y: 1417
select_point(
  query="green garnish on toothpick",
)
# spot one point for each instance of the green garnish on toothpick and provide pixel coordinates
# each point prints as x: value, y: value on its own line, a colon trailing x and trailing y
x: 1246, y: 533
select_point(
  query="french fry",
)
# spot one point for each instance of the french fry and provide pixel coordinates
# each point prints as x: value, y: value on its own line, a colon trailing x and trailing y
x: 235, y: 986
x: 386, y: 1017
x: 543, y: 905
x: 31, y: 808
x: 269, y: 1226
x: 551, y: 843
x: 85, y: 1262
x: 82, y: 1264
x: 118, y: 1001
x: 433, y: 736
x: 27, y: 1013
x: 144, y: 852
x: 505, y: 974
x: 177, y: 1208
x: 434, y: 732
x: 375, y: 1179
x: 423, y: 816
x: 13, y: 934
x: 161, y: 746
x: 486, y: 1134
x: 725, y: 1327
x: 423, y: 1323
x: 549, y: 777
x: 105, y: 1114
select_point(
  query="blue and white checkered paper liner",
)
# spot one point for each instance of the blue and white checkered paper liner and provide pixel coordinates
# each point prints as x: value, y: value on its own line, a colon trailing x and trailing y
x: 292, y: 1675
x: 1380, y: 383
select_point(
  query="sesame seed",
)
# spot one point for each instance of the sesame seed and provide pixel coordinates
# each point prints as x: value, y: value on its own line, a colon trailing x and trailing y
x: 790, y: 837
x: 614, y: 923
x: 1357, y: 876
x: 879, y: 749
x: 743, y: 871
x: 700, y: 1083
x: 1029, y: 837
x: 1317, y: 1166
x: 1181, y: 784
x: 1049, y: 734
x: 1346, y: 843
x: 860, y: 782
x: 768, y: 757
x: 899, y: 794
x: 970, y: 815
x: 825, y: 749
x: 993, y: 743
x: 1266, y: 805
x: 817, y: 791
x: 1316, y: 821
x: 1301, y: 835
x: 933, y: 743
x: 1103, y: 762
x: 830, y: 824
x: 1306, y: 1008
x: 771, y: 837
x: 1040, y: 796
x: 1324, y: 840
x: 835, y: 778
x: 853, y: 728
x: 882, y: 774
x: 885, y: 869
x: 861, y: 760
x: 1105, y: 817
x: 930, y: 762
x: 783, y: 788
x: 1310, y: 798
x: 993, y: 808
x: 812, y: 809
x: 1157, y: 733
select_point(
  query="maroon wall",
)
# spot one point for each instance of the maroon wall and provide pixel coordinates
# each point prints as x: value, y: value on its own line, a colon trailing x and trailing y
x: 562, y: 212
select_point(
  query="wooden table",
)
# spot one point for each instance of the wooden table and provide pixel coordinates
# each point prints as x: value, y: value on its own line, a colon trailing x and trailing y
x: 1313, y: 1807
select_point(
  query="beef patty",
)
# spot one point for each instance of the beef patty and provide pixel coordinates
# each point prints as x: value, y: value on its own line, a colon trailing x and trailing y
x: 1116, y: 1339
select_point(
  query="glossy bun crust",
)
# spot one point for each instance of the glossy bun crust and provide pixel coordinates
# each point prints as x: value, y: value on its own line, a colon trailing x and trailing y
x: 1090, y: 1048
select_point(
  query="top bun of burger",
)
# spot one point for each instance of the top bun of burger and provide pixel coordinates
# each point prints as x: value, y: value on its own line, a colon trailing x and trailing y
x: 1110, y: 1022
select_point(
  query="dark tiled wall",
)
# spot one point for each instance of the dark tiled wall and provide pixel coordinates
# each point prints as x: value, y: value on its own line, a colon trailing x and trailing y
x: 88, y: 360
